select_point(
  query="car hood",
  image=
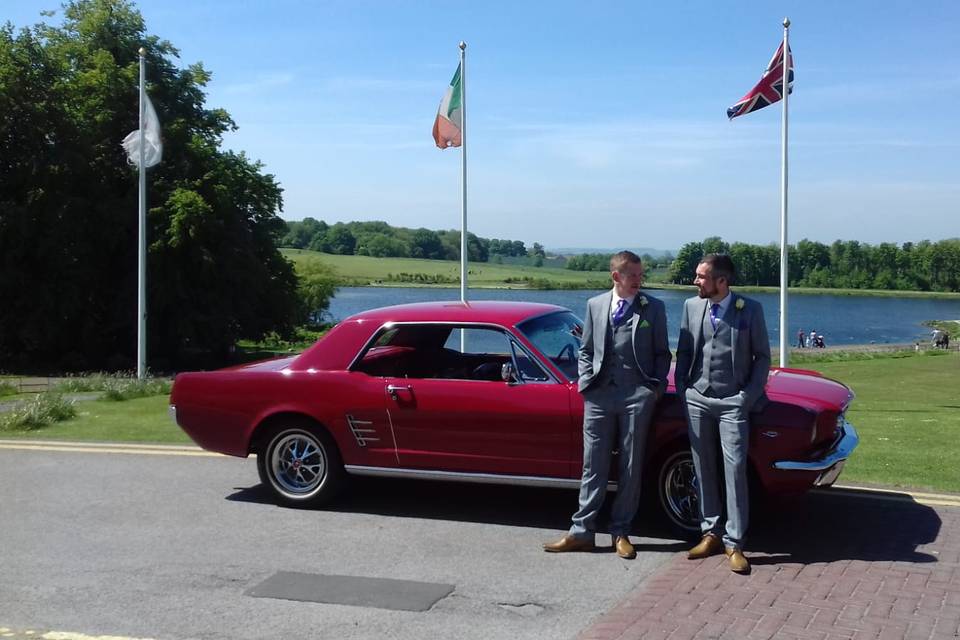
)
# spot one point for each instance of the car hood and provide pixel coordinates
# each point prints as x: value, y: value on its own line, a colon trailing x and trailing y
x: 804, y: 387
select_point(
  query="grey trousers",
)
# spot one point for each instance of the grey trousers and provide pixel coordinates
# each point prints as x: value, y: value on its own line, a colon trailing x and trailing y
x: 612, y: 418
x: 725, y: 419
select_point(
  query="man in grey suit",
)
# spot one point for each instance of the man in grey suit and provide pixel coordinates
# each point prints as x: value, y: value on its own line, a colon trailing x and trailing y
x: 723, y: 358
x: 623, y: 363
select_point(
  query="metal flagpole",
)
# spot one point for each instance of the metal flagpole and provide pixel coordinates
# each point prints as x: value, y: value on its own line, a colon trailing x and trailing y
x: 142, y: 253
x: 463, y: 185
x: 463, y: 172
x: 784, y: 263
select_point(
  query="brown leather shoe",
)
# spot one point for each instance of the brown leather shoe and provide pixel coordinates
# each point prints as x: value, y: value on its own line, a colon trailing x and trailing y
x: 738, y: 562
x: 624, y: 548
x: 568, y: 543
x: 710, y: 545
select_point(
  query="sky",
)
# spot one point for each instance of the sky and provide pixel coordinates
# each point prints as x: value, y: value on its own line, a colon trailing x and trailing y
x: 589, y: 124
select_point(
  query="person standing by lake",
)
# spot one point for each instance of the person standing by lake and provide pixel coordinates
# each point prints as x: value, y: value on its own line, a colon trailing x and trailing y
x: 623, y: 364
x: 723, y: 359
x: 801, y: 339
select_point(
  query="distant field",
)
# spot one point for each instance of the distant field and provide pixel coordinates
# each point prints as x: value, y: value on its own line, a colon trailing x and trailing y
x: 364, y: 270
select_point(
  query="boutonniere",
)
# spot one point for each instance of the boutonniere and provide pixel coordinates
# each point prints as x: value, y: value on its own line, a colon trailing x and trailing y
x: 740, y: 304
x: 643, y: 301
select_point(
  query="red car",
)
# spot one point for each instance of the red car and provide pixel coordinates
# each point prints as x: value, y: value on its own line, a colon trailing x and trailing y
x: 479, y: 392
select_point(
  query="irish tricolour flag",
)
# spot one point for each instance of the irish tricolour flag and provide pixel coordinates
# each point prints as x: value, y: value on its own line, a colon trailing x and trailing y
x: 449, y: 122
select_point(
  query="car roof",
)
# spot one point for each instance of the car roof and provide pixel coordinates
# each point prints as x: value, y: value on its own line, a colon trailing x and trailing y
x: 492, y: 311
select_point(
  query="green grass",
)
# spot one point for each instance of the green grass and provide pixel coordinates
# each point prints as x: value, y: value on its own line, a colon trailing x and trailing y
x: 137, y: 420
x: 907, y: 412
x: 365, y: 271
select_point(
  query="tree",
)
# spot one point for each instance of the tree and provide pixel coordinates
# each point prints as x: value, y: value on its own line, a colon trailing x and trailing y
x: 340, y: 240
x: 683, y: 269
x: 68, y: 201
x: 318, y: 284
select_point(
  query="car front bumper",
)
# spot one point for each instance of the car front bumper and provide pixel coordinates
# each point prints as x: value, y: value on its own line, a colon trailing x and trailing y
x: 831, y: 463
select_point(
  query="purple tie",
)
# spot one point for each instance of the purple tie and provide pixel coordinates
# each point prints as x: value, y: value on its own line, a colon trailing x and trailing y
x: 714, y: 309
x: 619, y: 314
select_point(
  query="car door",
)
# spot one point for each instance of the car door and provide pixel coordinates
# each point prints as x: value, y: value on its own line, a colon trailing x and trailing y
x: 447, y: 419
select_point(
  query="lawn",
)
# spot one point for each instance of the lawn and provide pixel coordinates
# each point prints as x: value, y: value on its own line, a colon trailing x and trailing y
x: 907, y: 412
x: 137, y: 420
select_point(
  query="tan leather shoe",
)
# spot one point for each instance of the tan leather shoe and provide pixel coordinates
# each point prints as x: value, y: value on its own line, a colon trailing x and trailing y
x: 568, y: 543
x: 624, y: 548
x: 738, y: 562
x: 710, y: 545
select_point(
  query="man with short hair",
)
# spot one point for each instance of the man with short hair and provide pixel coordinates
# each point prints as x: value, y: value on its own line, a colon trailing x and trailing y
x: 723, y: 358
x: 623, y: 364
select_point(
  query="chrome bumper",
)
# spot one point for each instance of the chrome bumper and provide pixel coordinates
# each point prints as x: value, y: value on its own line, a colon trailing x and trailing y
x: 172, y: 412
x: 831, y: 463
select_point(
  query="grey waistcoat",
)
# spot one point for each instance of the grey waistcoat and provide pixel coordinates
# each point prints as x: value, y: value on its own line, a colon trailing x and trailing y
x: 713, y: 374
x: 619, y: 360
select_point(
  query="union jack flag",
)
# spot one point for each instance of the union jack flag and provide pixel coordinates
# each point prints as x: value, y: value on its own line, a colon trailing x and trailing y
x: 768, y: 90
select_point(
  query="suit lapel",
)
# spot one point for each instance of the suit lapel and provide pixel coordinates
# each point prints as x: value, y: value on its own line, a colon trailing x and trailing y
x: 602, y: 320
x: 700, y: 318
x: 734, y: 313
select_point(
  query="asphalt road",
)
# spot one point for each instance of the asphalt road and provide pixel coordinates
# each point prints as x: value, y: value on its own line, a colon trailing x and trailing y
x: 165, y: 547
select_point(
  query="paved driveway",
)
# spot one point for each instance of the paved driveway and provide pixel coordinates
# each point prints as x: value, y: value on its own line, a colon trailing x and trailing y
x: 160, y: 546
x: 150, y: 545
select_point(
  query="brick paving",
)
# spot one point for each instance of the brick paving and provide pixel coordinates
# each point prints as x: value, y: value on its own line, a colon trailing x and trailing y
x: 825, y: 567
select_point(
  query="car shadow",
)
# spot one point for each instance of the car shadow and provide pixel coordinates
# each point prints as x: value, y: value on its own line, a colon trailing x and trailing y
x: 833, y: 524
x: 821, y: 526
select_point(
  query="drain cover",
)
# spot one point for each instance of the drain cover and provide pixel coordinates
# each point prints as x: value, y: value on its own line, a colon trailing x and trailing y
x: 380, y: 593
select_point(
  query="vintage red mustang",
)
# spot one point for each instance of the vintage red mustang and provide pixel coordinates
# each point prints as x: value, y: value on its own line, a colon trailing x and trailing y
x: 477, y: 392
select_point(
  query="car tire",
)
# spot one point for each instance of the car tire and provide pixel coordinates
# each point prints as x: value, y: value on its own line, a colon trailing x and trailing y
x: 677, y: 492
x: 301, y: 465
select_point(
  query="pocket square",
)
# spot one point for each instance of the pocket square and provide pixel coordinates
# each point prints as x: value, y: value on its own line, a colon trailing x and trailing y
x: 643, y: 324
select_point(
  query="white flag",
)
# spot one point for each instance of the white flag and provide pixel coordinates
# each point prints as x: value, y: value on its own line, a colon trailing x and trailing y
x: 153, y: 150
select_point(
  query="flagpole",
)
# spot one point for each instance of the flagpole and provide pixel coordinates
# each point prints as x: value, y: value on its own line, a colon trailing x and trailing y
x: 784, y: 263
x: 142, y: 233
x: 463, y: 172
x: 463, y: 185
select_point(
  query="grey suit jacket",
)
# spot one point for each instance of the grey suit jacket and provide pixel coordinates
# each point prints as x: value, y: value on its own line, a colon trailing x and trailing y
x: 649, y: 339
x: 751, y: 346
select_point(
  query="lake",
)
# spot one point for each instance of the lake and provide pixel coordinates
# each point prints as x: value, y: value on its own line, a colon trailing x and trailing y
x: 841, y: 319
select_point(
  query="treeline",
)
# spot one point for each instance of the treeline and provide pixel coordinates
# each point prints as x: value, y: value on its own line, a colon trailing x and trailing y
x: 921, y: 266
x: 381, y: 240
x: 601, y: 261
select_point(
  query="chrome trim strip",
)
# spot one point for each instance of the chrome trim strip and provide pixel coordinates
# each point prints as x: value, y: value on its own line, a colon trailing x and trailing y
x: 478, y: 478
x: 359, y: 433
x: 841, y: 451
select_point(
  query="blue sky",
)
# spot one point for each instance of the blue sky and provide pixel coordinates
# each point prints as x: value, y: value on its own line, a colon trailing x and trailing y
x: 589, y: 124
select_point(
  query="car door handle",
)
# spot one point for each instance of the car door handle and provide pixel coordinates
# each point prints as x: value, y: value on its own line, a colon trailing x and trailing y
x: 394, y: 390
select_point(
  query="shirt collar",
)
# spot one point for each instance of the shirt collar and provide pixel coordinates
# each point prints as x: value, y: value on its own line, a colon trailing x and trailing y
x: 616, y: 299
x: 724, y: 305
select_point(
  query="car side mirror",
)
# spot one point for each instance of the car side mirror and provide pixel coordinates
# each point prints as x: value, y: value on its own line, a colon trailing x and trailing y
x: 506, y: 373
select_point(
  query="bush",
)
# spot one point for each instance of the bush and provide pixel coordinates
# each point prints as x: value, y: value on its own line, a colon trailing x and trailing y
x: 7, y: 388
x: 43, y: 410
x: 119, y: 386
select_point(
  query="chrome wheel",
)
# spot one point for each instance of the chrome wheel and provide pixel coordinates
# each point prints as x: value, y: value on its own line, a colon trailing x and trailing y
x: 298, y: 463
x: 679, y: 491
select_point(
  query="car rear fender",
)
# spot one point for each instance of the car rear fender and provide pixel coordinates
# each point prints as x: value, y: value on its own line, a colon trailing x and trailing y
x: 277, y: 417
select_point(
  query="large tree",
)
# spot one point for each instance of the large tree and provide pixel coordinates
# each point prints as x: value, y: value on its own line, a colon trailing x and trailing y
x: 68, y: 203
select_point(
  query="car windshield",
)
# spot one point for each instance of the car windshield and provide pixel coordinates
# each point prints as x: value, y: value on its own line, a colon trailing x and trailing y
x: 557, y: 337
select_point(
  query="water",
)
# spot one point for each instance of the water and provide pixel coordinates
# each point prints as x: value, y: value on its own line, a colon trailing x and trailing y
x: 841, y: 319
